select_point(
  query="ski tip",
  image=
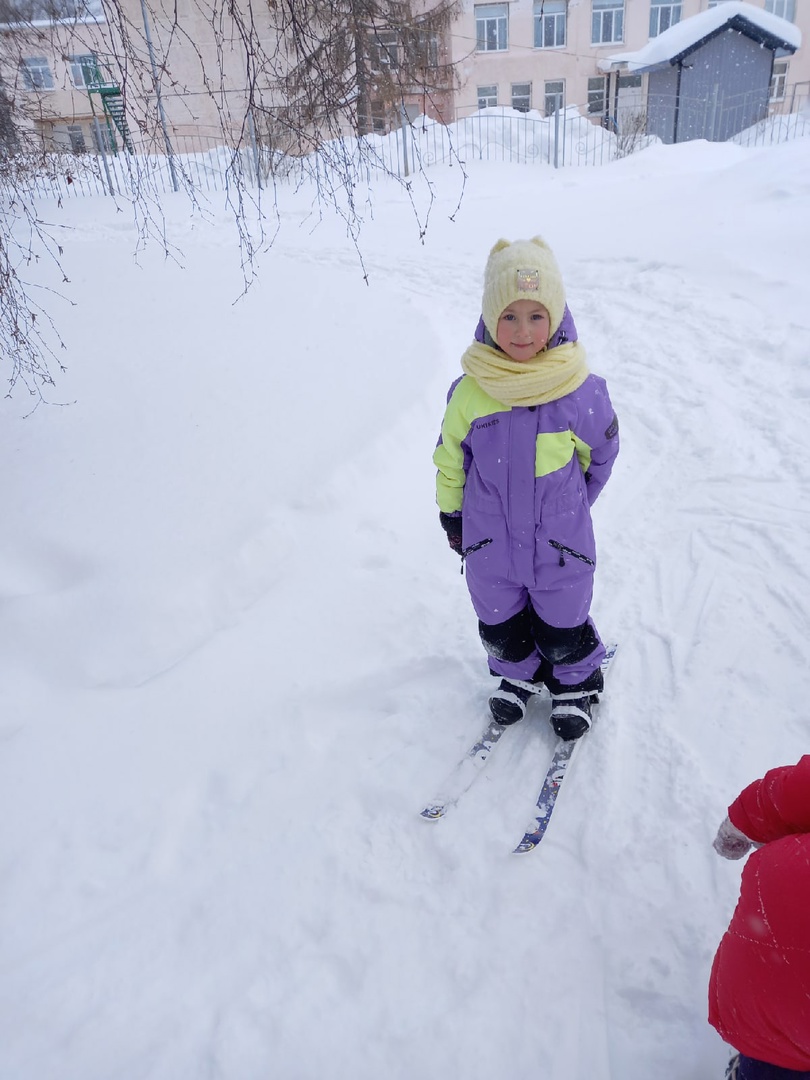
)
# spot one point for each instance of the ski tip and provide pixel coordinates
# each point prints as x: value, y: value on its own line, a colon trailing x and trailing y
x: 434, y: 812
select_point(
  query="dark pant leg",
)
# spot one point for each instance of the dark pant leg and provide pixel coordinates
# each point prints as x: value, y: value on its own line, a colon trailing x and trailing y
x: 571, y: 656
x: 511, y: 646
x: 753, y: 1069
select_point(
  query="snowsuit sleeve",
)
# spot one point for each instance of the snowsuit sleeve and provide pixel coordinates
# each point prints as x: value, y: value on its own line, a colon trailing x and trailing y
x: 452, y: 455
x: 775, y: 806
x: 598, y: 430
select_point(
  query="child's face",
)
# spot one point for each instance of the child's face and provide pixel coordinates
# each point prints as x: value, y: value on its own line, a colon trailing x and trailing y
x: 523, y: 329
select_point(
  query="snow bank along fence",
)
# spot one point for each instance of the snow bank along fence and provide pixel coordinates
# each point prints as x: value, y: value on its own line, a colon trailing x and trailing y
x: 565, y: 138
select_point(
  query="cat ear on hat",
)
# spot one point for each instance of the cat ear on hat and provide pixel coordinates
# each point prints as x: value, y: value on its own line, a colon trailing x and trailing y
x: 499, y: 246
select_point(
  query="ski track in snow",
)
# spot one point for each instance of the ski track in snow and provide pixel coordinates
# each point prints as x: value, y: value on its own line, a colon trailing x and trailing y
x: 231, y: 879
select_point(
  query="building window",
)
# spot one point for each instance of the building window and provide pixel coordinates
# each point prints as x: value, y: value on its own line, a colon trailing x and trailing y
x: 78, y: 144
x: 629, y: 82
x: 383, y: 50
x: 487, y: 97
x: 554, y: 94
x: 522, y: 96
x: 549, y: 24
x: 104, y: 138
x: 779, y: 80
x: 84, y: 71
x: 428, y: 48
x: 607, y: 22
x: 491, y: 27
x: 663, y: 14
x: 377, y: 113
x: 36, y: 73
x: 785, y: 9
x: 597, y: 95
x: 50, y: 11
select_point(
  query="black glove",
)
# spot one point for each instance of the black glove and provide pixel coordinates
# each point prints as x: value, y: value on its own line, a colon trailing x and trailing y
x: 451, y: 523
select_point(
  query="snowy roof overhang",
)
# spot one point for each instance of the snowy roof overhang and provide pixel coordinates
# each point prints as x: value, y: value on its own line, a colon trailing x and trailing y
x: 679, y: 41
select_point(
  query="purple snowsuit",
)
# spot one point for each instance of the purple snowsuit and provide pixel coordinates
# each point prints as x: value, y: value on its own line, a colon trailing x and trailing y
x: 524, y: 479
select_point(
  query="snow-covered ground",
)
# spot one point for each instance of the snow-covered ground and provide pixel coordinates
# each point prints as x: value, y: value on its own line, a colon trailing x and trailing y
x: 238, y: 656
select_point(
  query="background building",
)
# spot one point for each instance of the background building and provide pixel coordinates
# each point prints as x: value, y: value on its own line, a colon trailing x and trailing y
x: 61, y: 68
x: 541, y: 54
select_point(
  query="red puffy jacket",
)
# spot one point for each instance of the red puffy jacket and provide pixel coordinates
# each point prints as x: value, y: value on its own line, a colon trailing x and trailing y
x: 759, y: 992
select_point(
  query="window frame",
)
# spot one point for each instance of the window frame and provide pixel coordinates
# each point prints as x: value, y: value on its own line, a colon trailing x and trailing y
x: 484, y: 25
x: 104, y: 140
x: 557, y: 18
x: 602, y: 91
x: 657, y: 7
x: 77, y: 139
x: 547, y: 112
x: 429, y: 46
x: 629, y: 80
x: 384, y: 46
x: 777, y: 91
x: 479, y: 95
x: 525, y: 95
x: 31, y: 64
x: 76, y: 12
x: 74, y: 63
x: 787, y: 12
x: 607, y: 14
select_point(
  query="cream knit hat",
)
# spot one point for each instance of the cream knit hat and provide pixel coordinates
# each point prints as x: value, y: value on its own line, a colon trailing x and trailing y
x: 523, y: 270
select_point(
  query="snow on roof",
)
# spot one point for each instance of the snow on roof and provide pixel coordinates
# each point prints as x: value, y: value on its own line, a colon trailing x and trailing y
x: 687, y: 35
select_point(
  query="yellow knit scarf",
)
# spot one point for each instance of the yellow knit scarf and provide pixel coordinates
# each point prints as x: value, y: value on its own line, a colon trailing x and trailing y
x: 546, y: 377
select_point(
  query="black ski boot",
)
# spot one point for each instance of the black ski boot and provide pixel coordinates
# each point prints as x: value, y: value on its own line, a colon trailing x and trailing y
x: 571, y: 714
x: 508, y: 703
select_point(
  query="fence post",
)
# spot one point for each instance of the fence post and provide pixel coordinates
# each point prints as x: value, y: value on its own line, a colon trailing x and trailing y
x: 713, y: 123
x: 255, y: 147
x: 101, y: 150
x: 403, y: 117
x: 156, y: 80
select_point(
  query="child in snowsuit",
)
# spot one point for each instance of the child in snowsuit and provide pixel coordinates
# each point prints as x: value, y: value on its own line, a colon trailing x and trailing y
x: 528, y: 441
x: 759, y: 991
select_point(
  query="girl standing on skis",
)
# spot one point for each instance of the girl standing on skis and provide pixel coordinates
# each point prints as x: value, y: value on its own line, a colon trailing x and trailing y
x: 528, y: 441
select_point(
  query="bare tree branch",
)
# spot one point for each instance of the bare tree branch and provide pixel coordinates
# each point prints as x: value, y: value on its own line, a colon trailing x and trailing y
x: 295, y: 80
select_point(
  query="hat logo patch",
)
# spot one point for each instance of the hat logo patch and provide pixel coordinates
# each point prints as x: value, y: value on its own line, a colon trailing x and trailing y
x: 528, y: 280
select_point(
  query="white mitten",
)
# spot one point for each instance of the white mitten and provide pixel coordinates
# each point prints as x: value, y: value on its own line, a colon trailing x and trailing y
x: 730, y: 842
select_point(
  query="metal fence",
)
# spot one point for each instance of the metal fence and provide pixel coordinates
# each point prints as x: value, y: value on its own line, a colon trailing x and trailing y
x: 563, y: 140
